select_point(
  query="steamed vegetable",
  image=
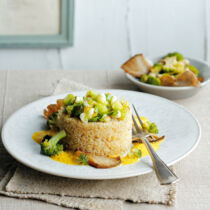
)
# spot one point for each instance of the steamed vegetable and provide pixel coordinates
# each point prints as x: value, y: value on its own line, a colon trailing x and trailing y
x: 167, y: 70
x: 50, y: 146
x: 153, y: 80
x: 52, y: 121
x: 193, y: 69
x: 136, y: 152
x: 83, y: 159
x: 179, y: 57
x: 153, y: 128
x: 95, y: 107
x: 148, y: 126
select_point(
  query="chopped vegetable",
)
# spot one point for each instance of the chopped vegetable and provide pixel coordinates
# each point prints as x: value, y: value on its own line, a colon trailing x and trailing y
x: 95, y: 107
x: 69, y: 99
x: 156, y: 68
x: 148, y: 126
x: 52, y: 121
x: 153, y: 128
x: 136, y: 152
x: 50, y: 146
x: 83, y: 159
x: 178, y: 56
x: 153, y: 80
x: 193, y: 69
x: 144, y: 78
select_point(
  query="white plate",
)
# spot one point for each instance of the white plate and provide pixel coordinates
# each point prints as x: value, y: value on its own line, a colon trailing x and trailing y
x: 175, y: 92
x: 181, y: 129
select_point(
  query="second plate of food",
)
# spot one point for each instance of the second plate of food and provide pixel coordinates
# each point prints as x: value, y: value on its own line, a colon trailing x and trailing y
x: 171, y: 76
x: 98, y: 122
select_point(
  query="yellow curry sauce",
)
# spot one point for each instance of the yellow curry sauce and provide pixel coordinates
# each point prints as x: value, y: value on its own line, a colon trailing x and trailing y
x: 68, y: 157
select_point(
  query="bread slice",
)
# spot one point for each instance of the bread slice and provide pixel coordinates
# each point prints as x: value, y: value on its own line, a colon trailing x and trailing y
x: 167, y: 80
x: 100, y: 161
x: 136, y: 66
x: 103, y: 161
x: 187, y: 78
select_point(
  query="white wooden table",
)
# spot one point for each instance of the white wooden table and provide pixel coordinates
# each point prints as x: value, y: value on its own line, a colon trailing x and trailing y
x: 18, y: 88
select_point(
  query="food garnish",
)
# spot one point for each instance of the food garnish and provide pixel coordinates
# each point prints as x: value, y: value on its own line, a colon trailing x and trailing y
x: 172, y: 70
x: 95, y: 107
x: 136, y: 152
x: 83, y: 159
x: 50, y: 146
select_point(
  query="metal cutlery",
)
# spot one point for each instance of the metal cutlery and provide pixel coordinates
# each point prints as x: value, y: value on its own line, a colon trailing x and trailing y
x: 163, y: 172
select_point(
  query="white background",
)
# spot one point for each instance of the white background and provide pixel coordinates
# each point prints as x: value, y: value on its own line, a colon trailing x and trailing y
x: 107, y: 32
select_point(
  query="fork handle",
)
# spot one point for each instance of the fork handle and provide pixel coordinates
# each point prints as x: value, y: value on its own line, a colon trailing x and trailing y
x: 163, y: 172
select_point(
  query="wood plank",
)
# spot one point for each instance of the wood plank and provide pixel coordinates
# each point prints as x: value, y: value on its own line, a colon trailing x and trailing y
x: 100, y: 41
x: 174, y: 25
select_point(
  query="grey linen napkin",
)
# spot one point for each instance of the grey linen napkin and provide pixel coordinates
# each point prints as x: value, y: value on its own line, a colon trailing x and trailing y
x: 23, y: 182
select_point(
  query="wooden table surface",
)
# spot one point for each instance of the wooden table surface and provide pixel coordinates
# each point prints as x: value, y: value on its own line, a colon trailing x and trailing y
x: 18, y: 88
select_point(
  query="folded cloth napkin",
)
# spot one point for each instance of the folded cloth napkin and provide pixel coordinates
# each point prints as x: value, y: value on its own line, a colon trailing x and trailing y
x: 23, y: 182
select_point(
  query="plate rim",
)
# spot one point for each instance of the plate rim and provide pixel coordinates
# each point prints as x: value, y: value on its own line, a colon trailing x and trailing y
x: 126, y: 175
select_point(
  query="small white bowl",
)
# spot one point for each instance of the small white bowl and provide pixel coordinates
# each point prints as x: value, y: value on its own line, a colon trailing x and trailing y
x: 175, y: 92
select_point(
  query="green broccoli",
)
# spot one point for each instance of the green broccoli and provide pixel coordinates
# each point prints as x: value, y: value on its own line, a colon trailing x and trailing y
x: 136, y: 152
x: 179, y: 57
x: 50, y: 146
x: 193, y: 69
x: 153, y: 80
x: 77, y: 110
x: 69, y: 99
x: 156, y: 68
x: 69, y: 109
x: 153, y: 128
x: 144, y: 78
x: 96, y: 118
x: 52, y: 121
x: 83, y: 159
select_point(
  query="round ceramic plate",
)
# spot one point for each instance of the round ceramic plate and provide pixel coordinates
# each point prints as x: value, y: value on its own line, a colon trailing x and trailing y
x: 181, y: 129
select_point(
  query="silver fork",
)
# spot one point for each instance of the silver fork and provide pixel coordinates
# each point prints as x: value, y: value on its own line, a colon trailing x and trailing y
x: 163, y: 172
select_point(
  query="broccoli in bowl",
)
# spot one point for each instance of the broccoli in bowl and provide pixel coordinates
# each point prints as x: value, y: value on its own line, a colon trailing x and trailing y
x: 171, y: 70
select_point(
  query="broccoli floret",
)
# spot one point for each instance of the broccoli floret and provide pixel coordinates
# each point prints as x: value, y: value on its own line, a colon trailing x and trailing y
x: 179, y: 57
x: 193, y: 69
x: 92, y: 94
x: 69, y: 99
x: 144, y: 78
x: 77, y: 110
x: 153, y: 80
x: 136, y: 152
x: 50, y: 146
x: 153, y: 128
x: 52, y: 121
x: 46, y: 137
x: 69, y: 109
x: 83, y: 159
x: 96, y: 118
x: 156, y: 68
